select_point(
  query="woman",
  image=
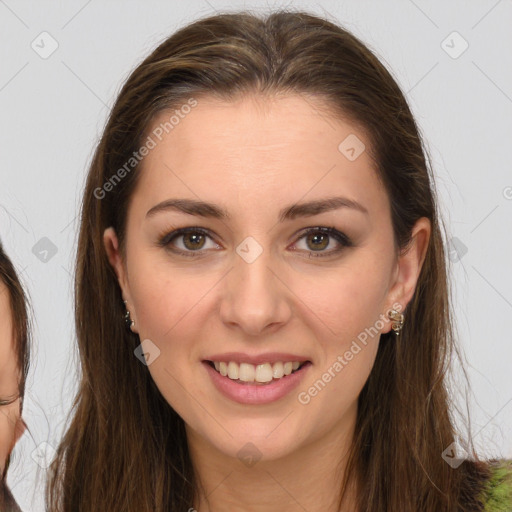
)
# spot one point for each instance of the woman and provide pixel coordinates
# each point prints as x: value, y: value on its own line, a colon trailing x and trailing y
x: 260, y: 211
x: 14, y: 361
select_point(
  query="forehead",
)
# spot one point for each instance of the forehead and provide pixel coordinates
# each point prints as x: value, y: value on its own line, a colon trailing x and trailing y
x: 258, y: 148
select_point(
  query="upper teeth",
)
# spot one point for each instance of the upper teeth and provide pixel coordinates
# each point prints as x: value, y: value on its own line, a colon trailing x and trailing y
x: 260, y: 373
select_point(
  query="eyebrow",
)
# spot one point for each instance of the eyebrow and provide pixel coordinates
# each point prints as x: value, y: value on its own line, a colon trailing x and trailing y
x: 307, y: 209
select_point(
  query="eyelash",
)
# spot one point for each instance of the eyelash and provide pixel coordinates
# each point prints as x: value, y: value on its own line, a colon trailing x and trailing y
x: 8, y: 401
x: 165, y: 239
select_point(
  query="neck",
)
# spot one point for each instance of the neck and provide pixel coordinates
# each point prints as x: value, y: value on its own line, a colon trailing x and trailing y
x: 309, y: 479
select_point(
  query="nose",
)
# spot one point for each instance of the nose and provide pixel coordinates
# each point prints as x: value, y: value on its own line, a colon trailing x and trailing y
x: 255, y: 298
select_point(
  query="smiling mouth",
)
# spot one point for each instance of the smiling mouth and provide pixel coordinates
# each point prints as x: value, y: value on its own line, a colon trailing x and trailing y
x: 259, y: 375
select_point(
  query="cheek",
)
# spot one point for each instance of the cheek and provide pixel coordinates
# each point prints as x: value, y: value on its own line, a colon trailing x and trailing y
x: 166, y: 302
x: 346, y: 326
x: 8, y: 418
x: 344, y: 311
x: 172, y: 311
x: 176, y: 326
x: 342, y: 303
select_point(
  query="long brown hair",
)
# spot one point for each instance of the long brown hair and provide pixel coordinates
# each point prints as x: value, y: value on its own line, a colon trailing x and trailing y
x: 126, y: 448
x: 22, y: 328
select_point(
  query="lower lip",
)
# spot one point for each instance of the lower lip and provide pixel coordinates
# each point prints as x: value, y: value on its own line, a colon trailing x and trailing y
x: 248, y: 393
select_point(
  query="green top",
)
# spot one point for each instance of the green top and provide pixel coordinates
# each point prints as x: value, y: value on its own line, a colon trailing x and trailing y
x: 497, y: 494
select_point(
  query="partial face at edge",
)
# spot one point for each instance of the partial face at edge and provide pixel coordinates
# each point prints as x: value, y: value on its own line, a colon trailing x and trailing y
x: 197, y: 296
x: 11, y: 425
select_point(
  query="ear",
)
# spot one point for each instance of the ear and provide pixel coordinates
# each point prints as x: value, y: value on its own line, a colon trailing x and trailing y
x: 111, y: 244
x: 114, y: 257
x: 408, y: 268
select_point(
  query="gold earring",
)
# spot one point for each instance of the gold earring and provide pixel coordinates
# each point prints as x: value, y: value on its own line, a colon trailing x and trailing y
x: 397, y: 320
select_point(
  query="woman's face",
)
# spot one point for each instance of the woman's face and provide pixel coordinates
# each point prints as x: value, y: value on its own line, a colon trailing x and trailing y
x: 11, y: 425
x: 256, y: 283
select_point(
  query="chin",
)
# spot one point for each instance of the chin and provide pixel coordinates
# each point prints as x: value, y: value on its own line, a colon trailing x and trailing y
x: 250, y: 448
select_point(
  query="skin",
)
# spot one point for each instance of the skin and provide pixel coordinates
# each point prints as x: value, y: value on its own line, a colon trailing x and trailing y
x: 11, y: 424
x: 253, y: 159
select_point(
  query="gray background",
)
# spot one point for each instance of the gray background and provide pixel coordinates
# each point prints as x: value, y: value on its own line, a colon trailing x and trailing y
x: 53, y: 110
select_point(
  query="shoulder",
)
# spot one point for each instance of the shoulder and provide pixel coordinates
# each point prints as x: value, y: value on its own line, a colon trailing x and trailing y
x: 497, y: 493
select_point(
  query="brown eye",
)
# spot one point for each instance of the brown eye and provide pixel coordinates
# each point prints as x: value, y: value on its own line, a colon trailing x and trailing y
x: 317, y: 239
x: 187, y: 241
x: 193, y: 241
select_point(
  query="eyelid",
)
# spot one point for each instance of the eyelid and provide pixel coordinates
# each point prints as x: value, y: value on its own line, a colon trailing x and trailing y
x: 8, y: 401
